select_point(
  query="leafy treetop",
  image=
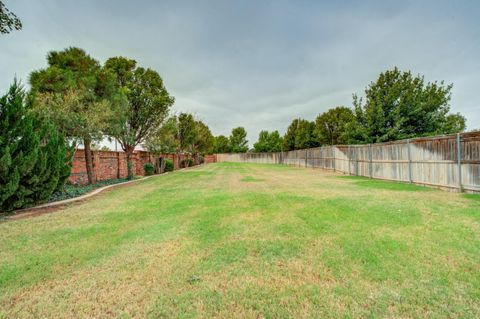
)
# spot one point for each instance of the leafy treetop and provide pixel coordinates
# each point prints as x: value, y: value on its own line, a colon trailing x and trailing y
x: 268, y: 142
x: 400, y: 105
x: 330, y: 126
x: 238, y: 140
x: 8, y: 20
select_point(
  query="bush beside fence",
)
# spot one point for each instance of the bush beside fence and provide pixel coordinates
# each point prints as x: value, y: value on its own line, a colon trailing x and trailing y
x: 449, y: 161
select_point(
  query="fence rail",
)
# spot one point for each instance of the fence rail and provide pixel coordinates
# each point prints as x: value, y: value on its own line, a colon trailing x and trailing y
x: 447, y: 161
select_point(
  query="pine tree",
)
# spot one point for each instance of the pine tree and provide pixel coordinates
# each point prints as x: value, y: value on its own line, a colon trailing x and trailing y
x: 34, y: 158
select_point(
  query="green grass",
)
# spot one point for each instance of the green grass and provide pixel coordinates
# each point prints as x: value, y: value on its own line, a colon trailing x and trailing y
x: 248, y: 240
x: 382, y: 184
x: 251, y: 179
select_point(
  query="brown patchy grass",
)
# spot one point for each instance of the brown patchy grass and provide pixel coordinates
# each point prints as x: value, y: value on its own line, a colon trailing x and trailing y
x: 247, y: 241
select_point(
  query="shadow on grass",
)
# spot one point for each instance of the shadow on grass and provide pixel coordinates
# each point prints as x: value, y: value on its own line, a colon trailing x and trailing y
x: 385, y: 185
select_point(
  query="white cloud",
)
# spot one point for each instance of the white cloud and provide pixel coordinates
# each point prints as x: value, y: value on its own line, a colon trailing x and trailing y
x: 259, y: 64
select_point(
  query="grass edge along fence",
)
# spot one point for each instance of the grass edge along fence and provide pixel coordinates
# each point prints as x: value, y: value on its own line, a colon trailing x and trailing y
x: 448, y: 161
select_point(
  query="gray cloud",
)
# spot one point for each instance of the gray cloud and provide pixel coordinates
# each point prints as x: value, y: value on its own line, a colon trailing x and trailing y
x: 259, y: 65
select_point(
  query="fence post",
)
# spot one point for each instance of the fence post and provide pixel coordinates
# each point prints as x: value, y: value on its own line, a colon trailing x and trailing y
x: 306, y: 157
x: 351, y: 160
x: 409, y: 162
x: 334, y: 159
x: 356, y: 161
x: 459, y: 162
x: 349, y: 166
x: 370, y: 164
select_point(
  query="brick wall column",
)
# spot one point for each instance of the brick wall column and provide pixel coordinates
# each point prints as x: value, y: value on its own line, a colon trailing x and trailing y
x: 96, y: 164
x: 118, y: 165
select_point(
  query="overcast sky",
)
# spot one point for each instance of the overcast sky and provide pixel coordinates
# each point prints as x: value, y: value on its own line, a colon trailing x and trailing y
x: 259, y: 64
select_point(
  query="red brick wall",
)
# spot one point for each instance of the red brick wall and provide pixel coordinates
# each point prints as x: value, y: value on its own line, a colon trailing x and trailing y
x: 140, y: 159
x: 106, y: 164
x: 112, y: 164
x: 210, y: 159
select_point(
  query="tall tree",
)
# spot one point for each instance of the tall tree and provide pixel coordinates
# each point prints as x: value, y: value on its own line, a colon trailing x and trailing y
x: 203, y: 142
x: 300, y: 135
x: 182, y: 133
x: 330, y: 126
x: 289, y: 137
x: 268, y: 142
x: 238, y: 140
x: 148, y: 104
x: 76, y: 94
x: 8, y: 20
x: 262, y: 144
x: 275, y: 142
x: 400, y: 105
x: 221, y: 144
x: 305, y: 137
x: 186, y: 134
x: 34, y: 158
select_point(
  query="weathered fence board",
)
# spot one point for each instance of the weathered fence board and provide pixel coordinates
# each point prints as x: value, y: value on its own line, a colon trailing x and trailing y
x: 447, y: 161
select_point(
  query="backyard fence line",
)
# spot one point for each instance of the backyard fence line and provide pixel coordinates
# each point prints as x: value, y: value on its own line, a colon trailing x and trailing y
x: 447, y: 161
x: 113, y: 164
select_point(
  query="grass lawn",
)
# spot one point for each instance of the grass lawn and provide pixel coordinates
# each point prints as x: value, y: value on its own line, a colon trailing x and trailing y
x: 248, y: 240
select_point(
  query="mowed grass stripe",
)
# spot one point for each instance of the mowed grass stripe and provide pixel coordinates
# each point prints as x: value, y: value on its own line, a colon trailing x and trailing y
x: 248, y: 240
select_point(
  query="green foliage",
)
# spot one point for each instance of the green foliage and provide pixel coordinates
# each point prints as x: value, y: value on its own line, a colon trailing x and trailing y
x: 204, y: 140
x: 148, y: 169
x: 399, y: 105
x: 238, y: 140
x: 221, y: 145
x: 75, y: 93
x: 330, y: 126
x: 455, y: 123
x: 182, y: 133
x: 168, y: 165
x: 78, y: 96
x: 8, y: 20
x: 148, y: 103
x: 268, y: 142
x: 187, y: 131
x: 71, y: 191
x: 34, y: 158
x: 300, y: 134
x: 165, y: 139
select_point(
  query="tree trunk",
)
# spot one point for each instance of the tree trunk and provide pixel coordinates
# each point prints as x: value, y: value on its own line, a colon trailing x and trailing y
x: 88, y: 161
x: 176, y: 164
x: 129, y: 152
x: 156, y: 165
x: 161, y: 161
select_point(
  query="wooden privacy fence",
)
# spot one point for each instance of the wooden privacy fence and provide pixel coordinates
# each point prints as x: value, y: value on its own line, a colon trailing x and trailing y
x: 448, y: 161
